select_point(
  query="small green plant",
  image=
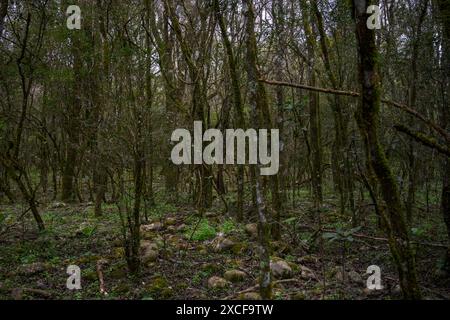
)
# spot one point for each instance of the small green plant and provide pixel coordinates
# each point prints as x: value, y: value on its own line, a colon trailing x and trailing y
x: 29, y: 258
x: 89, y: 231
x: 54, y: 260
x: 160, y: 209
x: 344, y: 237
x: 290, y: 258
x: 417, y: 231
x: 201, y: 232
x: 278, y: 295
x: 341, y: 235
x: 422, y: 231
x: 227, y: 226
x: 291, y: 221
x: 199, y: 276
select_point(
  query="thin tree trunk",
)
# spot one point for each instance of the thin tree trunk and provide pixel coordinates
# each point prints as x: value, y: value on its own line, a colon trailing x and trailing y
x: 258, y: 104
x: 412, y: 161
x: 237, y: 100
x: 72, y: 125
x: 314, y: 112
x: 444, y: 13
x: 278, y: 195
x: 3, y: 13
x: 164, y: 40
x: 149, y: 99
x: 340, y: 167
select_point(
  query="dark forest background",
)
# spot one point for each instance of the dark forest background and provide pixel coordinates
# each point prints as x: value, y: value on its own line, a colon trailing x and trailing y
x: 86, y: 179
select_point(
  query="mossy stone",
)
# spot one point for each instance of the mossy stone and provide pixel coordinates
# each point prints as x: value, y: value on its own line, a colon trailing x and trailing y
x: 159, y: 288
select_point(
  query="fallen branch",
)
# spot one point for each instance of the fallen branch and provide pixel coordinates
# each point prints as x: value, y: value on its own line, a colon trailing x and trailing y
x: 17, y: 293
x: 100, y: 264
x: 403, y: 107
x: 256, y: 287
x: 437, y: 293
x: 363, y: 236
x: 310, y: 88
x: 39, y: 292
x: 7, y: 228
x: 423, y: 139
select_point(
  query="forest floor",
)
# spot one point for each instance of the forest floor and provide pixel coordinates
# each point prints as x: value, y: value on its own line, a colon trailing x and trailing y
x: 182, y: 256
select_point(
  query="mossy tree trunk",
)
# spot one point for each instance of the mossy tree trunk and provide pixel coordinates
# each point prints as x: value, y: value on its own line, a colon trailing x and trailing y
x: 368, y: 117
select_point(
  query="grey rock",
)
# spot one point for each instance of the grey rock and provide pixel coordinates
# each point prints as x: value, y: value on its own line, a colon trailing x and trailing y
x: 170, y: 221
x: 252, y: 230
x: 235, y: 275
x: 280, y: 269
x: 307, y: 273
x: 355, y: 277
x: 250, y: 296
x: 150, y: 256
x: 221, y: 244
x: 155, y: 226
x: 217, y: 282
